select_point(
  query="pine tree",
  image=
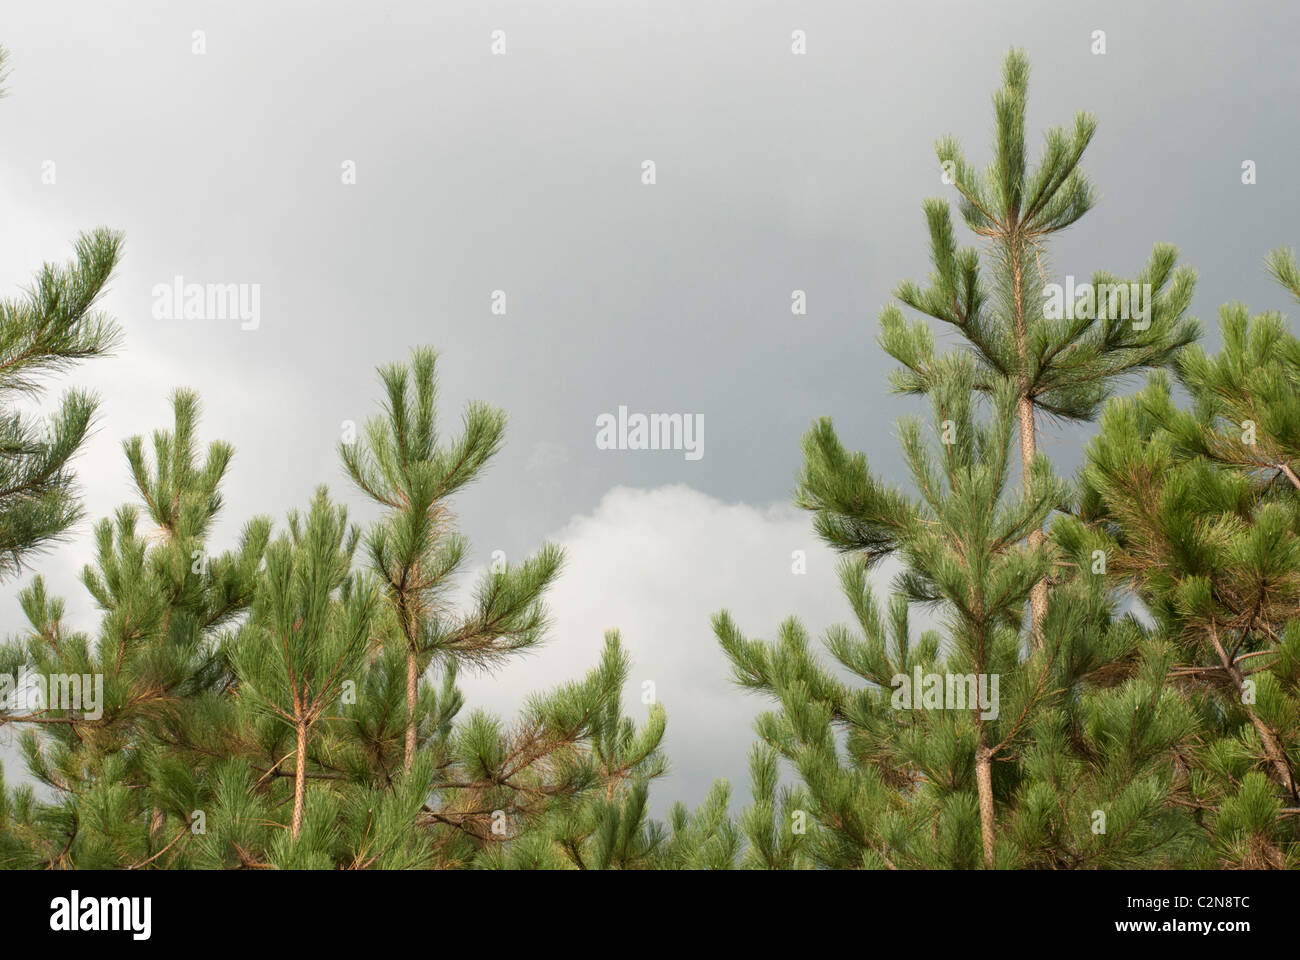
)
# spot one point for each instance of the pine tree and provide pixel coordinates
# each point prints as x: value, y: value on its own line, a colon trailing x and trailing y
x: 963, y: 550
x: 1064, y: 359
x: 703, y: 839
x: 1074, y: 767
x: 50, y: 328
x: 255, y: 703
x: 923, y: 762
x: 775, y: 824
x: 128, y: 777
x: 1197, y: 512
x: 564, y: 786
x: 308, y: 630
x: 604, y: 825
x: 400, y: 465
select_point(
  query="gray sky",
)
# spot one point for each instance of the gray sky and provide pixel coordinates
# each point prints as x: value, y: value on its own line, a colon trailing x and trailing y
x: 522, y: 173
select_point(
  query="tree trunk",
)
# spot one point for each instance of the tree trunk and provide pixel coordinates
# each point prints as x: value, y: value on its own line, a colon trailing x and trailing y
x: 984, y: 781
x: 1028, y: 447
x: 1028, y: 434
x: 157, y: 826
x: 1273, y: 750
x: 300, y: 782
x: 412, y: 690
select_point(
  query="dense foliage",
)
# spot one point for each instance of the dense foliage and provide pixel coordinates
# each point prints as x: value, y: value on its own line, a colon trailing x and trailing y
x: 1064, y: 674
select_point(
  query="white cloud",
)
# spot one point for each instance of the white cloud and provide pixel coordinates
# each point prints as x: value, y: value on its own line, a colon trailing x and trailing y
x: 656, y: 564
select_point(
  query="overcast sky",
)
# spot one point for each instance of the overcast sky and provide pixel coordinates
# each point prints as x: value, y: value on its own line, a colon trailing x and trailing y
x: 522, y: 173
